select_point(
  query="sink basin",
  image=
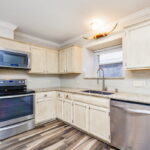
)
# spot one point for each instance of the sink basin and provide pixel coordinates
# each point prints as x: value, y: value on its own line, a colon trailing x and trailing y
x: 98, y: 92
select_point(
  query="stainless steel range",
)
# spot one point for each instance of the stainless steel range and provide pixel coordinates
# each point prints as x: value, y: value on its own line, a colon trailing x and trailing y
x: 16, y: 108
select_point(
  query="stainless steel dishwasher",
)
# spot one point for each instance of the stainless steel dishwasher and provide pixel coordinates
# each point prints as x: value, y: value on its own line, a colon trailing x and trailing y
x: 130, y: 125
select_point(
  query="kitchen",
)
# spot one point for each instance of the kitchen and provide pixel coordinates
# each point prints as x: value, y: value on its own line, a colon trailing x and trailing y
x: 77, y: 83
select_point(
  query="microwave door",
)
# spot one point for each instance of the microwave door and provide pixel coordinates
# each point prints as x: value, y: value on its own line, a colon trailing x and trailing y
x: 14, y: 59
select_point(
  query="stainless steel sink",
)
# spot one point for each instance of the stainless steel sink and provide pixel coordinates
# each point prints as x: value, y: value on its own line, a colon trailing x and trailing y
x: 98, y: 92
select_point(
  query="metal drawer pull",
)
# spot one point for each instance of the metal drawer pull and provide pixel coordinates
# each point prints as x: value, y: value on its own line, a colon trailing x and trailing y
x: 45, y: 95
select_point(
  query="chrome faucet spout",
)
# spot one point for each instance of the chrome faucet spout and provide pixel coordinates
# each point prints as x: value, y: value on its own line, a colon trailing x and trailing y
x: 103, y: 77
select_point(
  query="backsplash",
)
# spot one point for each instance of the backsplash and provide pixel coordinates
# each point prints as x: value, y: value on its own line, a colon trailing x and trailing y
x: 33, y: 81
x: 123, y: 85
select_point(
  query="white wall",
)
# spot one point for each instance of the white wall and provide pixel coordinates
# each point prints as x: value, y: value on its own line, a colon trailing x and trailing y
x: 124, y: 85
x: 33, y: 81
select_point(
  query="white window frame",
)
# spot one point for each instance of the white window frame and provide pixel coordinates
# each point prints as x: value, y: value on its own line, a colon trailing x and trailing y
x: 110, y: 61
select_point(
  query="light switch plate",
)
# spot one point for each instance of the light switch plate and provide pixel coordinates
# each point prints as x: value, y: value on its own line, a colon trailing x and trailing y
x: 139, y: 83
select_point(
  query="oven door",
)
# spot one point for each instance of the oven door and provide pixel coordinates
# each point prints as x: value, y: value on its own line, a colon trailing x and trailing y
x: 16, y: 108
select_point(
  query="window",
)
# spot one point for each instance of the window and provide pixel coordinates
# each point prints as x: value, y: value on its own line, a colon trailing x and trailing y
x: 111, y: 61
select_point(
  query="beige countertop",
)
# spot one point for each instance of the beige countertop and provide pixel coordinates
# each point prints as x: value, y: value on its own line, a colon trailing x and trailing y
x: 120, y: 95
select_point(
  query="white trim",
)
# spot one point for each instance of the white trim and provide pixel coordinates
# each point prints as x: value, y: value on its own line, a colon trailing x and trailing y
x: 108, y: 49
x: 132, y: 19
x: 29, y: 38
x: 8, y: 25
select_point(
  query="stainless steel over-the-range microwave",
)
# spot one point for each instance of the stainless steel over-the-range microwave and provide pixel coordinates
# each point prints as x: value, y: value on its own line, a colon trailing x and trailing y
x: 14, y: 59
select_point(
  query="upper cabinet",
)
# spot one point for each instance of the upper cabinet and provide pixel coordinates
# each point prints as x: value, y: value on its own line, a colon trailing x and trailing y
x: 137, y: 46
x: 44, y: 60
x: 38, y: 61
x: 48, y: 61
x: 70, y: 60
x: 51, y: 61
x: 14, y: 45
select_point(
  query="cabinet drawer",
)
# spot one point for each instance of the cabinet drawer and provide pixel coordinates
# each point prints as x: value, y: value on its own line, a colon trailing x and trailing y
x: 97, y: 101
x: 43, y: 95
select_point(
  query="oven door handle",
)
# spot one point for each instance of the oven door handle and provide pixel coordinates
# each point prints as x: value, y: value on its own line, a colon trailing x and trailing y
x: 133, y: 111
x: 13, y: 126
x: 14, y: 96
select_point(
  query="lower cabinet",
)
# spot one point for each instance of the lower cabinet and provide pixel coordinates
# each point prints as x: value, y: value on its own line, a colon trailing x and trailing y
x: 99, y: 122
x: 59, y: 108
x: 91, y: 117
x: 43, y: 111
x: 80, y: 115
x: 44, y: 107
x: 67, y: 111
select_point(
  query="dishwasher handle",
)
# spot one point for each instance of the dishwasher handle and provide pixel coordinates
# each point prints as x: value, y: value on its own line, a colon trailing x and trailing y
x: 133, y: 111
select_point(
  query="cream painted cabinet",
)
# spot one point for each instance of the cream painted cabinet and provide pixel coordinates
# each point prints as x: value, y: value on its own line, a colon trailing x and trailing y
x: 80, y: 115
x: 88, y: 113
x: 14, y: 45
x: 67, y: 110
x: 70, y: 60
x: 137, y: 46
x: 52, y: 61
x: 51, y: 104
x: 99, y: 122
x: 43, y: 111
x: 45, y: 106
x: 43, y: 61
x: 59, y: 108
x: 62, y: 61
x: 38, y: 60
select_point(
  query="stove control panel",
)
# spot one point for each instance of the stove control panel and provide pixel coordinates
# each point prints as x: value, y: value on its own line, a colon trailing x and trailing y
x: 13, y: 82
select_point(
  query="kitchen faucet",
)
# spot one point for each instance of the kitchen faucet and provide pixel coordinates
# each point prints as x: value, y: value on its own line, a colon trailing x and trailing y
x: 103, y: 75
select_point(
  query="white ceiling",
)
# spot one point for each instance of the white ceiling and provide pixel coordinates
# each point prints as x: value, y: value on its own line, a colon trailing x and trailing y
x: 61, y: 20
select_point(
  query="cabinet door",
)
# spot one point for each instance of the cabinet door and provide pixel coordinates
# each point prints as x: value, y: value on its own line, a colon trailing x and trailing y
x: 38, y: 60
x: 10, y: 44
x: 42, y: 111
x: 76, y: 59
x: 67, y: 111
x: 52, y: 61
x: 62, y: 61
x: 80, y: 115
x: 99, y: 122
x: 52, y: 110
x: 69, y: 60
x: 59, y: 108
x: 138, y: 46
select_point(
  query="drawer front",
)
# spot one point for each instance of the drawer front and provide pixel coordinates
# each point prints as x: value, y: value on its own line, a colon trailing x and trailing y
x: 97, y: 101
x: 43, y: 95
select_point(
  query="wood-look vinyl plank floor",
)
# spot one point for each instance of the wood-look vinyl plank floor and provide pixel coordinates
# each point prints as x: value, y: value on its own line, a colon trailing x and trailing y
x: 55, y: 135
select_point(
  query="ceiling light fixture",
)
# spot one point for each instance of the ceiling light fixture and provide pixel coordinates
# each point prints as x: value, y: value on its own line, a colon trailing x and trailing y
x: 99, y: 29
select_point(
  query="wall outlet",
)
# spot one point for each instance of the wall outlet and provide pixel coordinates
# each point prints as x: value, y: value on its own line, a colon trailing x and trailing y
x: 139, y: 83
